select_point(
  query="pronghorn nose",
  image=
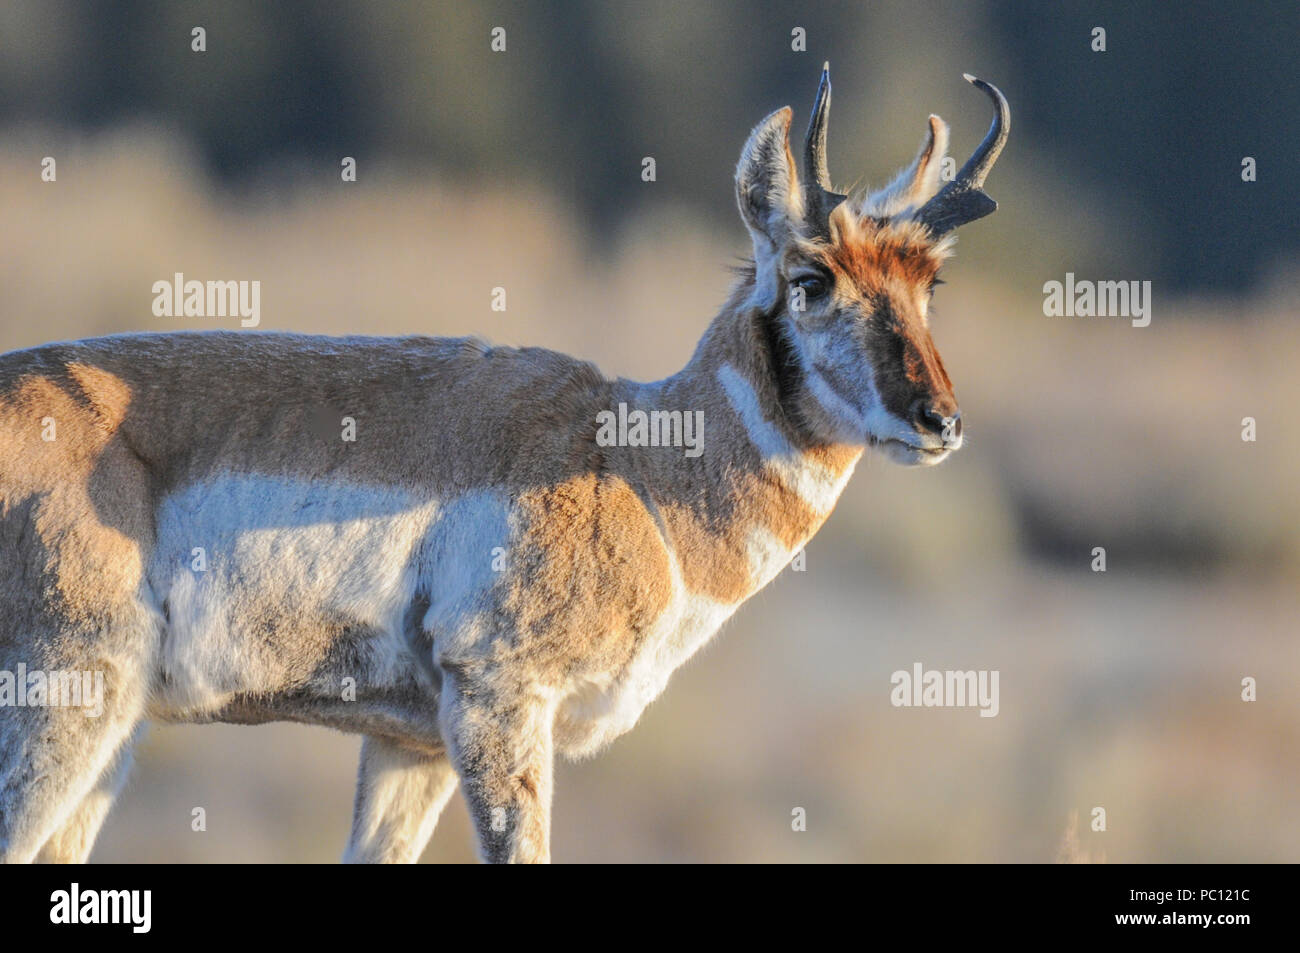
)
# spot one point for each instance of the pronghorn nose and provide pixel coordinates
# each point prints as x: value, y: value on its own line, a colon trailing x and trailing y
x: 926, y: 416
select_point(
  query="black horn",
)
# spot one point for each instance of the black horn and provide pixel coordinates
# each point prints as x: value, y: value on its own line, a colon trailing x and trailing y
x: 819, y: 200
x: 963, y: 199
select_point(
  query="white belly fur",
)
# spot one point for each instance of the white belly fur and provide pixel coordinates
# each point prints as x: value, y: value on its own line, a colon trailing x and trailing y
x: 277, y: 549
x: 300, y: 551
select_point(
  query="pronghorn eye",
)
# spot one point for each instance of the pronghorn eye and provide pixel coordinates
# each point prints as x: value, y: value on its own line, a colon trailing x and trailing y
x: 814, y: 286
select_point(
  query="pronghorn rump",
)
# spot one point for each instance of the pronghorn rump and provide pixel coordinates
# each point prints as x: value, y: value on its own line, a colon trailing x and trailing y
x: 422, y: 540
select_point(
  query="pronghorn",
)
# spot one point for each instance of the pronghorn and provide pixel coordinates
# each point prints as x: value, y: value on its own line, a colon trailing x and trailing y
x: 478, y: 581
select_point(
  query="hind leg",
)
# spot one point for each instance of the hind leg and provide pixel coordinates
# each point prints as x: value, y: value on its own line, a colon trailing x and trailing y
x: 76, y: 528
x: 71, y: 843
x: 53, y: 757
x: 400, y: 794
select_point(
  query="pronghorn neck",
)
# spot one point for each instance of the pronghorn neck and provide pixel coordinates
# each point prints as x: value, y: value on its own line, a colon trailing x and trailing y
x: 761, y: 487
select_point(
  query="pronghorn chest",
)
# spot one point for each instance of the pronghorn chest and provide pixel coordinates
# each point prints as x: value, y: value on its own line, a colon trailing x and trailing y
x: 719, y: 546
x: 602, y: 706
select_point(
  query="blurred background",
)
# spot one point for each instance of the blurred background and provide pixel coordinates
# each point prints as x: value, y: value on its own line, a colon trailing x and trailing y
x: 522, y: 169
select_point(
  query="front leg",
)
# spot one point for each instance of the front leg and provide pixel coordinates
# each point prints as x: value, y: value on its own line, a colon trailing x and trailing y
x: 500, y: 744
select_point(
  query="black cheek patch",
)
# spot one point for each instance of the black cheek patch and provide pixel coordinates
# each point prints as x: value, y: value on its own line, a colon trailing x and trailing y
x: 780, y: 356
x: 887, y: 349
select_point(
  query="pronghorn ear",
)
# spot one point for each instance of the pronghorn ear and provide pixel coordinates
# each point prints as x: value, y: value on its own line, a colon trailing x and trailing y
x: 916, y: 184
x: 767, y: 186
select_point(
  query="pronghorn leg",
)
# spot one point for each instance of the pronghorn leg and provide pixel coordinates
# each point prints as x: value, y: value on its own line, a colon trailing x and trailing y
x: 71, y: 843
x: 52, y: 758
x: 400, y: 794
x: 501, y: 747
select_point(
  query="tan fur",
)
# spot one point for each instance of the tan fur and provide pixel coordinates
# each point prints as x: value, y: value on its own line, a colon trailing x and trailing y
x: 875, y: 257
x: 604, y: 585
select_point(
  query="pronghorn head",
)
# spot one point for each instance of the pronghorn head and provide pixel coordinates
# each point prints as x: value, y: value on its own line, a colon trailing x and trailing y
x: 844, y: 282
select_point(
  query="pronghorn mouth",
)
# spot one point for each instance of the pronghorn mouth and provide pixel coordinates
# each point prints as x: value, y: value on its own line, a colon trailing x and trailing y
x: 910, y: 454
x: 896, y: 443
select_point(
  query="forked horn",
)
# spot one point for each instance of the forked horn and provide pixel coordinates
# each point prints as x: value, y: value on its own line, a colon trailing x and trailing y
x: 819, y: 200
x: 963, y: 199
